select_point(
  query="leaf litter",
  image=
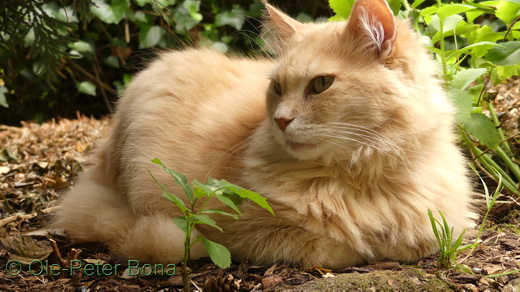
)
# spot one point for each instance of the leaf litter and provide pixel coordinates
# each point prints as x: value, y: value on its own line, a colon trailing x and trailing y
x: 38, y: 163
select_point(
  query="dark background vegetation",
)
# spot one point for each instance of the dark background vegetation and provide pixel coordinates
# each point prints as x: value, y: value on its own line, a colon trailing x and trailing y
x: 49, y: 74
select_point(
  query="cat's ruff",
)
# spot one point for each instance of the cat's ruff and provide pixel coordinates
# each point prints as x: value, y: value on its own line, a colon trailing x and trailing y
x: 350, y: 162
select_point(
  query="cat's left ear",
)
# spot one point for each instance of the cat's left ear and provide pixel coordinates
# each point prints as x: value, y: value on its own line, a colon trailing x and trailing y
x: 372, y: 23
x: 279, y: 28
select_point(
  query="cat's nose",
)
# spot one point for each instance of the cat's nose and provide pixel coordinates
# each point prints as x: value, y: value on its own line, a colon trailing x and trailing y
x: 283, y: 122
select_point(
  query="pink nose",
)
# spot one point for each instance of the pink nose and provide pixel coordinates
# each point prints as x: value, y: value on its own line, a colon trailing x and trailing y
x: 283, y: 122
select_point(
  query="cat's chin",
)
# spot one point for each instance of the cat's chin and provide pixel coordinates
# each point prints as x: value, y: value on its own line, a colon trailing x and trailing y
x: 303, y: 151
x: 300, y: 147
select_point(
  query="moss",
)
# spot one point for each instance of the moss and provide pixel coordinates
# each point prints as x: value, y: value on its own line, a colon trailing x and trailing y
x: 406, y: 280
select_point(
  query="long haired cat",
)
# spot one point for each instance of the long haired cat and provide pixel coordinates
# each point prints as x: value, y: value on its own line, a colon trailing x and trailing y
x: 347, y: 133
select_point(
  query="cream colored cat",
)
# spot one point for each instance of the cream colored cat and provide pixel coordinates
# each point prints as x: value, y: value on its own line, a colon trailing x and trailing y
x: 347, y: 133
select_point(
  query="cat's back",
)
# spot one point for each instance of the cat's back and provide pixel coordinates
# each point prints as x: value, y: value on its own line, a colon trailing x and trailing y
x: 190, y: 109
x: 193, y: 76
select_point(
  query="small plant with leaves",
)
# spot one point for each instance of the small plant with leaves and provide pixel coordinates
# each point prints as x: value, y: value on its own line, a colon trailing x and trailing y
x: 449, y: 249
x: 229, y: 194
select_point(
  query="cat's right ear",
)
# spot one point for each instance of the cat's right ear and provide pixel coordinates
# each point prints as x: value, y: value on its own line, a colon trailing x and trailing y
x: 279, y: 28
x: 373, y: 26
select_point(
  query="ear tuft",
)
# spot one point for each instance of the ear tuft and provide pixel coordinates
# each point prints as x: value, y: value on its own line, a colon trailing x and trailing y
x: 372, y: 21
x: 278, y: 29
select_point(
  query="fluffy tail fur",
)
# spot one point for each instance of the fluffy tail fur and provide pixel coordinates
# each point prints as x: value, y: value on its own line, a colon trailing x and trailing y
x: 94, y: 212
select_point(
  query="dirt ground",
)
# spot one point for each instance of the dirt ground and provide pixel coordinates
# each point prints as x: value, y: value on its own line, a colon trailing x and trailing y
x: 39, y: 162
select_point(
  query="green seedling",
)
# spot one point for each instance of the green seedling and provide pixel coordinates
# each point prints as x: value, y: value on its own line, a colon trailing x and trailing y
x: 194, y: 214
x: 449, y: 249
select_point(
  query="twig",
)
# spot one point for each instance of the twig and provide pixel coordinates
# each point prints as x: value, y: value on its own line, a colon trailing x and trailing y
x: 96, y: 67
x: 21, y: 216
x: 73, y: 255
x: 57, y: 252
x: 93, y: 78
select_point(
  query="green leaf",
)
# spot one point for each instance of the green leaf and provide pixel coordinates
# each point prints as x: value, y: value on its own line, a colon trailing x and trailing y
x: 342, y: 8
x: 201, y: 190
x: 82, y: 47
x: 87, y: 88
x: 482, y: 128
x: 507, y: 11
x: 142, y: 3
x: 109, y: 13
x: 417, y: 3
x: 429, y: 11
x: 465, y: 77
x: 451, y: 9
x: 458, y: 242
x: 463, y: 102
x: 149, y: 35
x: 504, y: 54
x: 119, y: 8
x: 234, y: 18
x: 218, y: 253
x: 247, y: 194
x: 103, y: 11
x: 3, y: 100
x: 174, y: 199
x: 181, y: 223
x: 484, y: 34
x: 179, y: 178
x: 183, y: 20
x: 193, y: 7
x: 473, y: 14
x: 451, y: 22
x: 204, y: 219
x: 166, y: 3
x: 507, y: 72
x: 112, y: 61
x: 466, y: 48
x: 433, y: 223
x: 229, y: 202
x: 395, y: 5
x: 463, y: 268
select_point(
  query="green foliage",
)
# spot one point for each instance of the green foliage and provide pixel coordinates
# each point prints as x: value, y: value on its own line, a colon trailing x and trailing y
x: 475, y: 42
x: 506, y: 54
x: 57, y: 56
x: 194, y: 214
x: 450, y: 248
x: 341, y: 8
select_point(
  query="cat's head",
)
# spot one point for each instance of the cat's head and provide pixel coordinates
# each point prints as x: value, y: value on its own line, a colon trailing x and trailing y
x: 343, y: 87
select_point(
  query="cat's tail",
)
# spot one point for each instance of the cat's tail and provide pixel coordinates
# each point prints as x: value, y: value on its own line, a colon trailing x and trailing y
x: 95, y: 212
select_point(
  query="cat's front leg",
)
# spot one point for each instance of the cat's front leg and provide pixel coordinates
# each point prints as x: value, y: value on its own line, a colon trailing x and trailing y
x: 265, y: 239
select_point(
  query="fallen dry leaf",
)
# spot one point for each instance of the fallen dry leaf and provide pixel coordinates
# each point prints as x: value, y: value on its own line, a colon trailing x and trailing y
x: 25, y: 248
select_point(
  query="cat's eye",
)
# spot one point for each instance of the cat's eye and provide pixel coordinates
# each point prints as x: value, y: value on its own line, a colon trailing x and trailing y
x: 277, y: 87
x: 320, y: 84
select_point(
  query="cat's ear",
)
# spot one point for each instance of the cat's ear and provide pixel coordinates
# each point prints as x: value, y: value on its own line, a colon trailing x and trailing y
x: 278, y: 28
x: 372, y: 23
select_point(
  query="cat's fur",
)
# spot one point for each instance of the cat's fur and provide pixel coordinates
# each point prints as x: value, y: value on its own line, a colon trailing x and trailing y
x: 350, y: 179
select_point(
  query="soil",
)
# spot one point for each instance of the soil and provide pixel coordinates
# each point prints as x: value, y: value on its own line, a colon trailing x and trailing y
x: 38, y: 163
